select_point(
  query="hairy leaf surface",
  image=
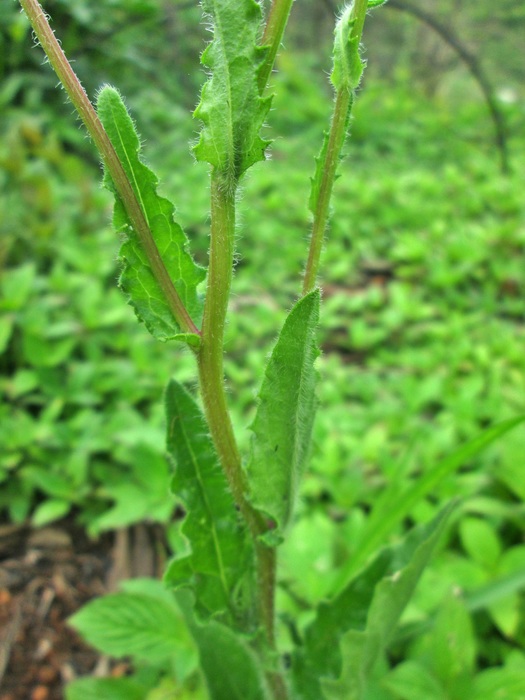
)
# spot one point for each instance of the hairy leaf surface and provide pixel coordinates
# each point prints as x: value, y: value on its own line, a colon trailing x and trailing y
x: 348, y: 66
x: 283, y: 423
x: 137, y: 279
x: 217, y: 567
x: 231, y: 106
x: 352, y: 630
x: 231, y: 668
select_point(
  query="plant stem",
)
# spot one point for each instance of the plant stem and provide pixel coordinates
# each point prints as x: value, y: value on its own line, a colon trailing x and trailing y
x: 211, y: 375
x: 336, y: 140
x: 82, y: 104
x: 273, y: 34
x: 210, y: 357
x: 355, y: 16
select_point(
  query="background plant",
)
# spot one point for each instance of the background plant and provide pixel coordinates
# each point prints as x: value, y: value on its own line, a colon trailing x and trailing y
x: 354, y: 450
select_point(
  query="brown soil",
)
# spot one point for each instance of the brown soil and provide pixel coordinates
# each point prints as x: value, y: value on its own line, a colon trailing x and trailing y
x: 45, y: 576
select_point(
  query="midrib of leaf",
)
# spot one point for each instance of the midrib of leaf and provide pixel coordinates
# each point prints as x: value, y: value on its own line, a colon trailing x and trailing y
x: 294, y: 476
x: 226, y: 73
x: 136, y: 187
x: 231, y: 106
x: 204, y: 496
x: 285, y: 412
x: 138, y: 194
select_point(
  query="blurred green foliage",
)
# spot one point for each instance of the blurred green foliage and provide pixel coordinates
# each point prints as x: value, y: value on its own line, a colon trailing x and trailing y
x: 422, y: 328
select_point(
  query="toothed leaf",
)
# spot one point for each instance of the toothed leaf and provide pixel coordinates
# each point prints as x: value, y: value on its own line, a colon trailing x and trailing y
x: 220, y: 551
x: 137, y: 279
x: 283, y: 423
x: 348, y: 66
x: 231, y: 107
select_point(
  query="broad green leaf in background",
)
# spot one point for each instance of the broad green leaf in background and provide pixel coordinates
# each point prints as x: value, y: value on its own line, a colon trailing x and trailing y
x: 231, y: 107
x: 502, y: 590
x: 6, y: 328
x: 496, y: 590
x: 221, y: 552
x: 16, y: 286
x: 351, y: 631
x: 105, y: 689
x: 50, y: 510
x: 143, y: 495
x: 143, y: 622
x: 283, y: 423
x: 480, y: 540
x: 509, y: 467
x: 231, y: 668
x: 412, y: 681
x: 397, y: 502
x: 137, y: 279
x: 450, y: 648
x: 500, y: 684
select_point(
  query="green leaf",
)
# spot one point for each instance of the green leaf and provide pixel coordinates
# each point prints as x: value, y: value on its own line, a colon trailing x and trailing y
x: 396, y: 502
x: 486, y: 597
x: 137, y: 279
x: 105, y: 689
x: 496, y: 590
x: 231, y: 106
x: 283, y: 423
x: 221, y: 552
x: 231, y: 668
x: 6, y: 329
x: 50, y: 510
x: 448, y: 650
x: 348, y: 67
x: 351, y: 631
x: 16, y: 286
x: 143, y: 495
x: 480, y: 541
x: 142, y: 625
x: 500, y: 684
x: 412, y: 681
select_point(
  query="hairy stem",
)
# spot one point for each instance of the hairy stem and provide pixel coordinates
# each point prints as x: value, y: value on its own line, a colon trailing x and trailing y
x: 87, y: 113
x: 210, y: 357
x: 336, y: 140
x: 211, y: 375
x: 338, y: 128
x: 273, y: 34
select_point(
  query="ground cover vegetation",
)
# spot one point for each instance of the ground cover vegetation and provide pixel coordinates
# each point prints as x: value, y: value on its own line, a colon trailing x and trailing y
x: 422, y: 344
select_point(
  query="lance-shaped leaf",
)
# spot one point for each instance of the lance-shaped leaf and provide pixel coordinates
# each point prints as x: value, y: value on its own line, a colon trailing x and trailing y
x: 231, y: 106
x: 218, y: 565
x: 137, y: 278
x: 232, y: 669
x: 283, y: 423
x: 350, y: 632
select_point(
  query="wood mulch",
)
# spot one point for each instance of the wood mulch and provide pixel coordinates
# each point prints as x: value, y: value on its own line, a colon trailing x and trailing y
x: 45, y: 576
